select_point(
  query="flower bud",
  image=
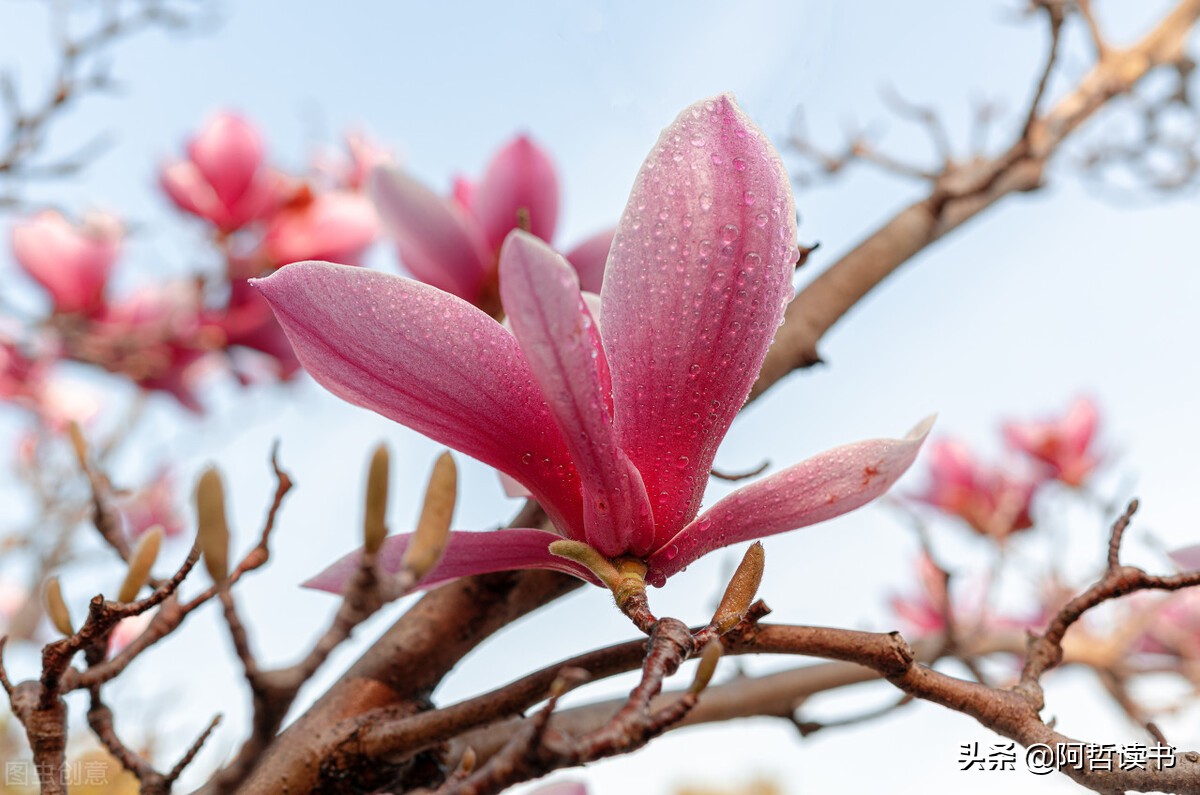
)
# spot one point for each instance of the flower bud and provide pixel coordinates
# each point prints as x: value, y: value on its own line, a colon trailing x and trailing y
x: 375, y: 517
x: 740, y: 591
x: 433, y: 529
x: 56, y: 607
x: 213, y: 529
x: 708, y: 666
x: 140, y: 563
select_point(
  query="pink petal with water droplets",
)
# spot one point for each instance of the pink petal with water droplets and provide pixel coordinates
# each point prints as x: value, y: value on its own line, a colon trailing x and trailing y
x: 826, y: 485
x: 429, y: 361
x: 519, y: 179
x: 227, y: 151
x: 437, y: 242
x: 590, y: 257
x: 466, y: 553
x: 700, y: 271
x: 541, y: 296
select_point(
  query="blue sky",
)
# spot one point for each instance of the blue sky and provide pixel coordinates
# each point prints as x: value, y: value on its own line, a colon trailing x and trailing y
x: 1051, y: 295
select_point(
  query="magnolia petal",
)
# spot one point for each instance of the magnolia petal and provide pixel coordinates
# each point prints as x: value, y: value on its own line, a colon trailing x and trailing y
x: 72, y: 262
x: 590, y: 257
x: 337, y: 226
x: 541, y: 297
x: 696, y: 284
x: 592, y: 302
x: 519, y: 180
x: 1186, y: 558
x: 466, y: 553
x: 431, y: 362
x: 185, y: 185
x: 512, y: 487
x: 826, y: 485
x: 437, y: 243
x: 228, y: 152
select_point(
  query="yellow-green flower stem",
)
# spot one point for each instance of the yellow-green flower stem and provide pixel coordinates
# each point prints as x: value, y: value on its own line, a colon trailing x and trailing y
x: 625, y: 577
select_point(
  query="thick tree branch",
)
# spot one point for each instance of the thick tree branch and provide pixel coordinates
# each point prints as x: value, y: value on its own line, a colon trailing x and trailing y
x: 963, y: 192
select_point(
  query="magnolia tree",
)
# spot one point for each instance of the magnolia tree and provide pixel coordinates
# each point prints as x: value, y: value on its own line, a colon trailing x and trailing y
x: 599, y: 385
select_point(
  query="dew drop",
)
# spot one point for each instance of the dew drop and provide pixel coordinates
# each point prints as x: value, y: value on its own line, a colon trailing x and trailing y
x: 706, y: 201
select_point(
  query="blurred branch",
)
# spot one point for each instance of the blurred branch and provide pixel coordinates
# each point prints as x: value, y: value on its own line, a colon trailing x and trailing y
x: 81, y: 72
x: 963, y: 190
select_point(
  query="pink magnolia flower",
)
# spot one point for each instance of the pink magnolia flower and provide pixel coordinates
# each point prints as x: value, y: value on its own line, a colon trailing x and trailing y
x: 993, y: 502
x: 924, y: 613
x: 562, y: 788
x: 454, y: 243
x: 1062, y: 445
x: 63, y: 401
x: 151, y: 337
x: 246, y: 321
x: 13, y: 597
x: 224, y: 180
x: 21, y: 377
x: 72, y: 262
x: 349, y: 169
x: 127, y: 630
x: 611, y: 421
x: 153, y: 505
x: 337, y: 226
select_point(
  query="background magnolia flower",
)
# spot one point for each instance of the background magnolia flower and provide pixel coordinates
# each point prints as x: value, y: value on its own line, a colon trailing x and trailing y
x: 612, y: 423
x: 224, y: 180
x: 72, y: 262
x: 454, y: 243
x: 337, y: 226
x: 995, y: 503
x: 1062, y: 445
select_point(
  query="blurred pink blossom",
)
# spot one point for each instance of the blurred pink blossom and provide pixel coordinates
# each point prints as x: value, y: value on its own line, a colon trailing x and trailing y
x: 248, y: 322
x: 348, y: 170
x: 21, y: 376
x: 154, y: 338
x: 13, y: 597
x: 62, y: 401
x: 337, y: 226
x: 924, y: 613
x: 127, y: 631
x: 1063, y: 445
x: 224, y: 180
x: 993, y: 502
x: 72, y: 262
x: 153, y: 505
x: 454, y: 243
